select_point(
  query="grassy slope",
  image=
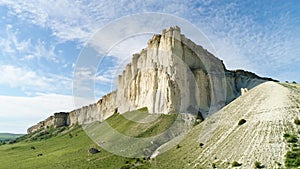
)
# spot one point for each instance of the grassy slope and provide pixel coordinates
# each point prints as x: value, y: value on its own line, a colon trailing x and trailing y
x: 219, y: 150
x: 63, y: 151
x: 156, y: 125
x: 58, y: 152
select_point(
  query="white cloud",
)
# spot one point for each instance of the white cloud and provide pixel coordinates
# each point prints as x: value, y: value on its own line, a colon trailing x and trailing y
x: 25, y: 49
x: 245, y: 39
x: 41, y: 51
x: 17, y: 77
x: 68, y: 20
x: 103, y: 78
x: 29, y: 80
x: 245, y: 34
x: 128, y: 46
x: 11, y: 43
x: 19, y: 113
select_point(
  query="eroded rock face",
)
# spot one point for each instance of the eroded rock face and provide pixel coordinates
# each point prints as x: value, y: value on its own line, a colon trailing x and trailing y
x: 171, y: 75
x: 57, y: 120
x: 168, y: 76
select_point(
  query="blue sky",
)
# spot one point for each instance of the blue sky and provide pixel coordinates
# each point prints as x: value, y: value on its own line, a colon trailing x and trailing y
x: 40, y: 42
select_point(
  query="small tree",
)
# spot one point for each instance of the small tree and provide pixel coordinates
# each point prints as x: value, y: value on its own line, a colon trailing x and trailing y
x: 242, y: 121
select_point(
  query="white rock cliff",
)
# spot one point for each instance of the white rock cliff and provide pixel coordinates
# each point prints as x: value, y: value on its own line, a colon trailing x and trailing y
x: 171, y: 75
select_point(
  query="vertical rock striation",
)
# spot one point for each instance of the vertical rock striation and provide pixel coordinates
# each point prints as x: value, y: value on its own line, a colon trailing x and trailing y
x: 171, y: 75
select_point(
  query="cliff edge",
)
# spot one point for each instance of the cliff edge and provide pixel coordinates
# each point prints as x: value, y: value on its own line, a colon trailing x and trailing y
x: 171, y: 75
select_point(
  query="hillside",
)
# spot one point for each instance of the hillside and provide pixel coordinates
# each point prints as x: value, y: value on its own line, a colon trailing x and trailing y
x: 267, y: 136
x: 68, y: 147
x: 269, y: 132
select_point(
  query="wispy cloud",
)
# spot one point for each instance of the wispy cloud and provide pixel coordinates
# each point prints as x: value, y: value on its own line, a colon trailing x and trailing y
x: 245, y: 34
x: 10, y: 43
x: 25, y: 49
x: 29, y: 80
x: 251, y: 34
x: 67, y: 19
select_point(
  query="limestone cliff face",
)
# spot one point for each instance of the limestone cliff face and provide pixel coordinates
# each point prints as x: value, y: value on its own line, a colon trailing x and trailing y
x: 57, y: 120
x: 171, y: 75
x: 99, y: 111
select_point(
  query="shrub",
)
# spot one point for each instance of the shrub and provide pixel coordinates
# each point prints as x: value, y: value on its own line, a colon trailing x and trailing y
x: 143, y: 109
x: 286, y: 135
x: 241, y: 122
x: 278, y: 163
x: 236, y: 164
x: 292, y: 159
x: 214, y: 165
x: 197, y: 122
x: 258, y: 165
x: 2, y: 143
x: 178, y: 146
x: 292, y: 139
x: 297, y: 121
x: 93, y: 151
x: 12, y: 142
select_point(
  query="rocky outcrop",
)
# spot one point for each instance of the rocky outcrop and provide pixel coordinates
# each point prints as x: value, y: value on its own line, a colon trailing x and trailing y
x: 171, y: 75
x: 99, y: 111
x: 57, y: 120
x: 244, y: 91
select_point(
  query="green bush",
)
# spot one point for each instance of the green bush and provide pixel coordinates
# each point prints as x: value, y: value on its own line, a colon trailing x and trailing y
x: 292, y: 139
x: 286, y: 135
x: 236, y: 164
x: 2, y: 142
x: 278, y: 163
x: 292, y: 158
x: 257, y: 164
x: 242, y: 121
x: 297, y: 121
